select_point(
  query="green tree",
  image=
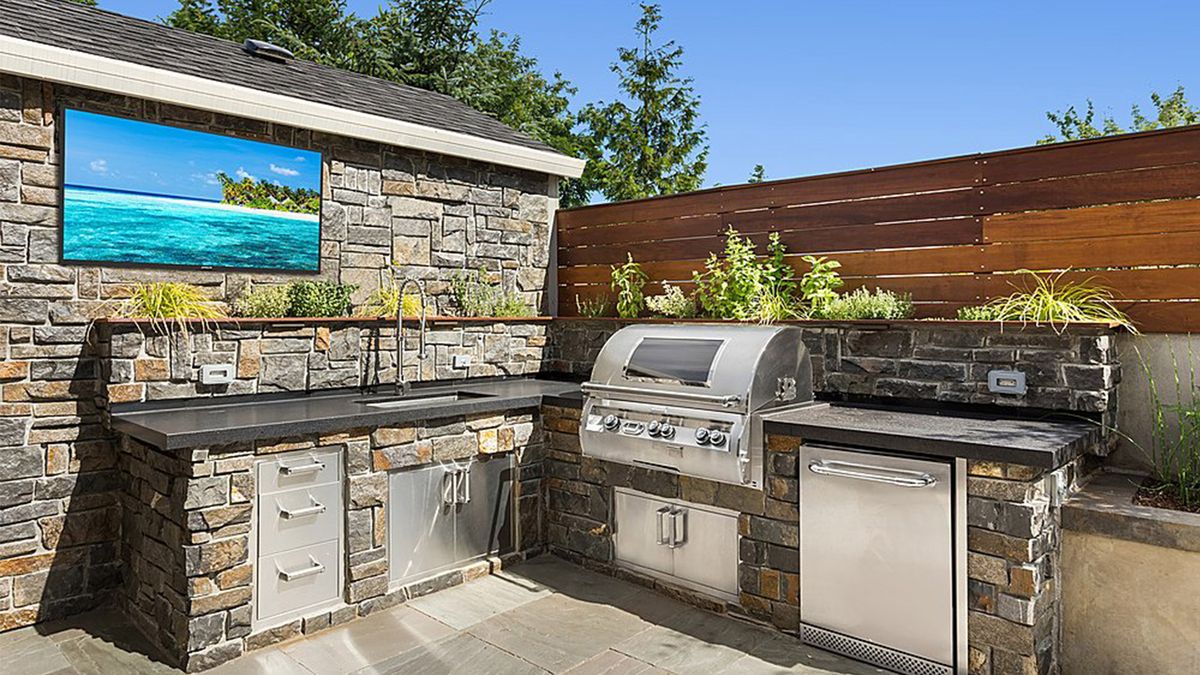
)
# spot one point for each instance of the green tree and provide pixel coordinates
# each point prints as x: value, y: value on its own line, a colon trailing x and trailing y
x: 432, y: 44
x: 1171, y: 111
x: 758, y: 174
x: 655, y: 143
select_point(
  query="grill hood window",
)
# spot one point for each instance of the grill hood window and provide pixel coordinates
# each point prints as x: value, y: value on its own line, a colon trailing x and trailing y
x: 682, y: 360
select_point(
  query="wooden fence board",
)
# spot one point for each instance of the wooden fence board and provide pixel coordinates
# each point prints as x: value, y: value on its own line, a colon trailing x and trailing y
x: 1096, y: 221
x: 1094, y: 156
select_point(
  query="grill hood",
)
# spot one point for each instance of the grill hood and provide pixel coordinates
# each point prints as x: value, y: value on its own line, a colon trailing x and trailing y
x: 733, y: 367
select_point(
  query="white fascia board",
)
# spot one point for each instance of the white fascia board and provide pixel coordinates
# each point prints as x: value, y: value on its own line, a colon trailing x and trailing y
x: 47, y: 62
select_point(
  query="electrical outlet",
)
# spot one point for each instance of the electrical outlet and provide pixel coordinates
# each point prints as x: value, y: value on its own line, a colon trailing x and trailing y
x: 221, y: 373
x: 1006, y: 382
x: 461, y: 361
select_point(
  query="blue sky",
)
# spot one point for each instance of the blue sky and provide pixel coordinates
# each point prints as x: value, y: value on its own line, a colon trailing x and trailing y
x: 813, y: 87
x: 121, y: 154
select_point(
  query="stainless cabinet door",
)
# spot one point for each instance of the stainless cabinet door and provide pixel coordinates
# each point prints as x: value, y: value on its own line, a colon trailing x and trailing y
x: 706, y: 551
x: 642, y: 532
x: 876, y: 550
x: 483, y: 522
x: 420, y: 522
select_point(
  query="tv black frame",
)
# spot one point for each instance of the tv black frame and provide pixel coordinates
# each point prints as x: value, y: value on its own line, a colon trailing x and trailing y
x: 61, y: 142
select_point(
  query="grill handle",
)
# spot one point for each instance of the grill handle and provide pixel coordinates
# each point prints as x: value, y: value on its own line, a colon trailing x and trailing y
x: 908, y: 479
x: 726, y: 400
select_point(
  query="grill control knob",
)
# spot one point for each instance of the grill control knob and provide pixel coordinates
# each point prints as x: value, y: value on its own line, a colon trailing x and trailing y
x: 701, y: 435
x: 666, y: 430
x: 716, y: 437
x: 610, y: 422
x: 653, y: 428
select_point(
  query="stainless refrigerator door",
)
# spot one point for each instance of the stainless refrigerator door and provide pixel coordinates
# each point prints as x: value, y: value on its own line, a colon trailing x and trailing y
x: 420, y: 521
x: 484, y: 512
x: 643, y: 532
x: 876, y: 549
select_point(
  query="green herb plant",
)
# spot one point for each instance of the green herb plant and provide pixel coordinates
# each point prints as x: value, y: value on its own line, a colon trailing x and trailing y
x: 672, y: 304
x: 475, y: 296
x: 861, y: 303
x: 739, y: 285
x: 819, y: 284
x: 268, y: 302
x: 319, y: 298
x: 1055, y: 301
x: 1175, y: 430
x: 627, y: 282
x: 168, y: 303
x: 592, y: 306
x: 383, y: 301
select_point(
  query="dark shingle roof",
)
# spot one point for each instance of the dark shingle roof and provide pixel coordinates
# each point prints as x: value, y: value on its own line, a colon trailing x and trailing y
x: 69, y: 25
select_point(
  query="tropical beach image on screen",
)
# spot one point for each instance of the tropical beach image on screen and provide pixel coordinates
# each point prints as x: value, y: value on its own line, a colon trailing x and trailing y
x: 143, y: 193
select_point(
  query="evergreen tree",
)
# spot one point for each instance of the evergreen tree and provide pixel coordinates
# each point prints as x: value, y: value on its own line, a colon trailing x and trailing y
x: 655, y: 143
x: 758, y: 174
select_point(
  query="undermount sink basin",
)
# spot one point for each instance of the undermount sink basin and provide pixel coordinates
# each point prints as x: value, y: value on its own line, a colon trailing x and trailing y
x: 417, y: 400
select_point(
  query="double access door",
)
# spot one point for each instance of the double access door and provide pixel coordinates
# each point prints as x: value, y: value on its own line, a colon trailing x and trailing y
x: 444, y: 515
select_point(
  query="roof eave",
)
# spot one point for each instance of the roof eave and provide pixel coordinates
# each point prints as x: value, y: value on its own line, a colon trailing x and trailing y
x: 36, y: 60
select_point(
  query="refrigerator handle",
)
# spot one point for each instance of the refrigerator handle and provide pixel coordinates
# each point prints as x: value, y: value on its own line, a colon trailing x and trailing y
x: 899, y: 477
x: 661, y: 515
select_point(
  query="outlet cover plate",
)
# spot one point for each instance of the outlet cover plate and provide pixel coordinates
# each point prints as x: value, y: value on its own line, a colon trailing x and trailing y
x: 1006, y: 382
x: 219, y: 373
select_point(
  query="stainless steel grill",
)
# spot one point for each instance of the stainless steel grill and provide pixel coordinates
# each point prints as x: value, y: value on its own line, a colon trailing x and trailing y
x: 689, y: 398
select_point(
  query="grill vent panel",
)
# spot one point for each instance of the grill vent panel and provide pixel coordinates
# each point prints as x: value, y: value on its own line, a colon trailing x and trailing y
x: 883, y: 657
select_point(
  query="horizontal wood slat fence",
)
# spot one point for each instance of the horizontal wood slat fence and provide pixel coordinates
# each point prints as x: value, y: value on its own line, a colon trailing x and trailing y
x: 1123, y: 211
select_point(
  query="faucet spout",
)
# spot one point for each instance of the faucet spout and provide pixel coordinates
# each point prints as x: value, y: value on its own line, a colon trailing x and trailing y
x: 402, y: 384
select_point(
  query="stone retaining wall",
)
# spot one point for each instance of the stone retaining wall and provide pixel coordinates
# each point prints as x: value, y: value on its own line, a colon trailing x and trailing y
x: 58, y: 497
x: 186, y: 540
x: 1013, y: 541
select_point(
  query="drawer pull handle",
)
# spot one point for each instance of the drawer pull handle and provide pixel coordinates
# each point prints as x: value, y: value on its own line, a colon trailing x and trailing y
x: 316, y: 508
x: 899, y: 477
x: 302, y: 469
x: 292, y: 575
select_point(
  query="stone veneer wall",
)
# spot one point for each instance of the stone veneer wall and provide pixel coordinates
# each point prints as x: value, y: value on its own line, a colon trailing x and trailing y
x: 186, y: 537
x: 58, y: 496
x: 1076, y: 370
x: 1013, y: 541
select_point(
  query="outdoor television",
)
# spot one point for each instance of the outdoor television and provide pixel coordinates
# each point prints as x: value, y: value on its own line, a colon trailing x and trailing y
x: 140, y: 193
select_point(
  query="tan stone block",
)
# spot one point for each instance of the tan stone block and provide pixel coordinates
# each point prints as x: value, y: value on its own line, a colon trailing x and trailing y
x: 385, y: 436
x: 283, y: 446
x: 987, y: 568
x: 15, y: 409
x: 507, y: 439
x: 379, y: 526
x: 38, y: 391
x: 484, y: 422
x: 126, y: 393
x: 489, y: 442
x: 14, y: 370
x: 58, y: 458
x: 18, y: 617
x: 151, y: 370
x: 321, y: 341
x: 988, y: 469
x: 234, y: 577
x: 1024, y: 580
x: 779, y: 443
x: 41, y: 561
x: 248, y: 359
x: 223, y: 600
x: 768, y: 583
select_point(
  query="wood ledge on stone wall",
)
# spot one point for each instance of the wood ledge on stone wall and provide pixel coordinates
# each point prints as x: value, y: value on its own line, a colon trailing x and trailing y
x: 301, y: 320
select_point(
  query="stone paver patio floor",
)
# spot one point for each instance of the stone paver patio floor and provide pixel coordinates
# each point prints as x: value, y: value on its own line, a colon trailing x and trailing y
x: 544, y: 615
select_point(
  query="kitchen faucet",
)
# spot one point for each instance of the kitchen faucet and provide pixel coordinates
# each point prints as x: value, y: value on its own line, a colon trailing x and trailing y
x: 403, y: 385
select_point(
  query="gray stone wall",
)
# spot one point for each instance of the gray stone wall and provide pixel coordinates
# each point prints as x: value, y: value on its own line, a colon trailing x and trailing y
x: 186, y: 542
x: 1076, y: 370
x: 58, y: 503
x: 1013, y: 541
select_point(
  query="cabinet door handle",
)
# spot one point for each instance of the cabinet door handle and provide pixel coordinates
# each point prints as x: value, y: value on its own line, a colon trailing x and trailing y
x: 661, y: 514
x: 288, y: 514
x: 301, y: 469
x: 464, y: 486
x: 678, y: 528
x: 450, y: 488
x: 315, y: 567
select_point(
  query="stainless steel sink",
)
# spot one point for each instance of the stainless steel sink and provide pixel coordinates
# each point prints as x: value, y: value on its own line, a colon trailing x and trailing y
x: 418, y: 400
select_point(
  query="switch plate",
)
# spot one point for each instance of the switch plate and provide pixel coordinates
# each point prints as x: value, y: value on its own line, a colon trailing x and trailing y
x: 221, y: 373
x: 1006, y: 382
x: 461, y: 360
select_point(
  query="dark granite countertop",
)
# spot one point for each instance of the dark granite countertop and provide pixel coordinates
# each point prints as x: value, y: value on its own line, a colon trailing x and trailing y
x: 1032, y: 442
x: 214, y: 421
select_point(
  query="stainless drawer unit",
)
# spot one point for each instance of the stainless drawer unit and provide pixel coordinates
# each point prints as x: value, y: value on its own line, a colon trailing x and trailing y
x: 443, y: 516
x: 298, y: 542
x: 882, y: 558
x: 693, y: 545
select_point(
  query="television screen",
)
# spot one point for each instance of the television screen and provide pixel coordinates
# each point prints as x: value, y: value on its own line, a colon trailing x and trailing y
x: 139, y: 193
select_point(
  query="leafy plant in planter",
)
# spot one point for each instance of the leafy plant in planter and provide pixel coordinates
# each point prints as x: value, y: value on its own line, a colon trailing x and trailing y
x: 475, y: 296
x: 1054, y: 301
x: 819, y: 284
x: 673, y: 303
x: 169, y: 302
x: 738, y: 285
x: 1175, y: 436
x: 319, y: 298
x: 268, y: 302
x: 593, y: 306
x: 627, y: 282
x: 863, y: 304
x: 384, y: 301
